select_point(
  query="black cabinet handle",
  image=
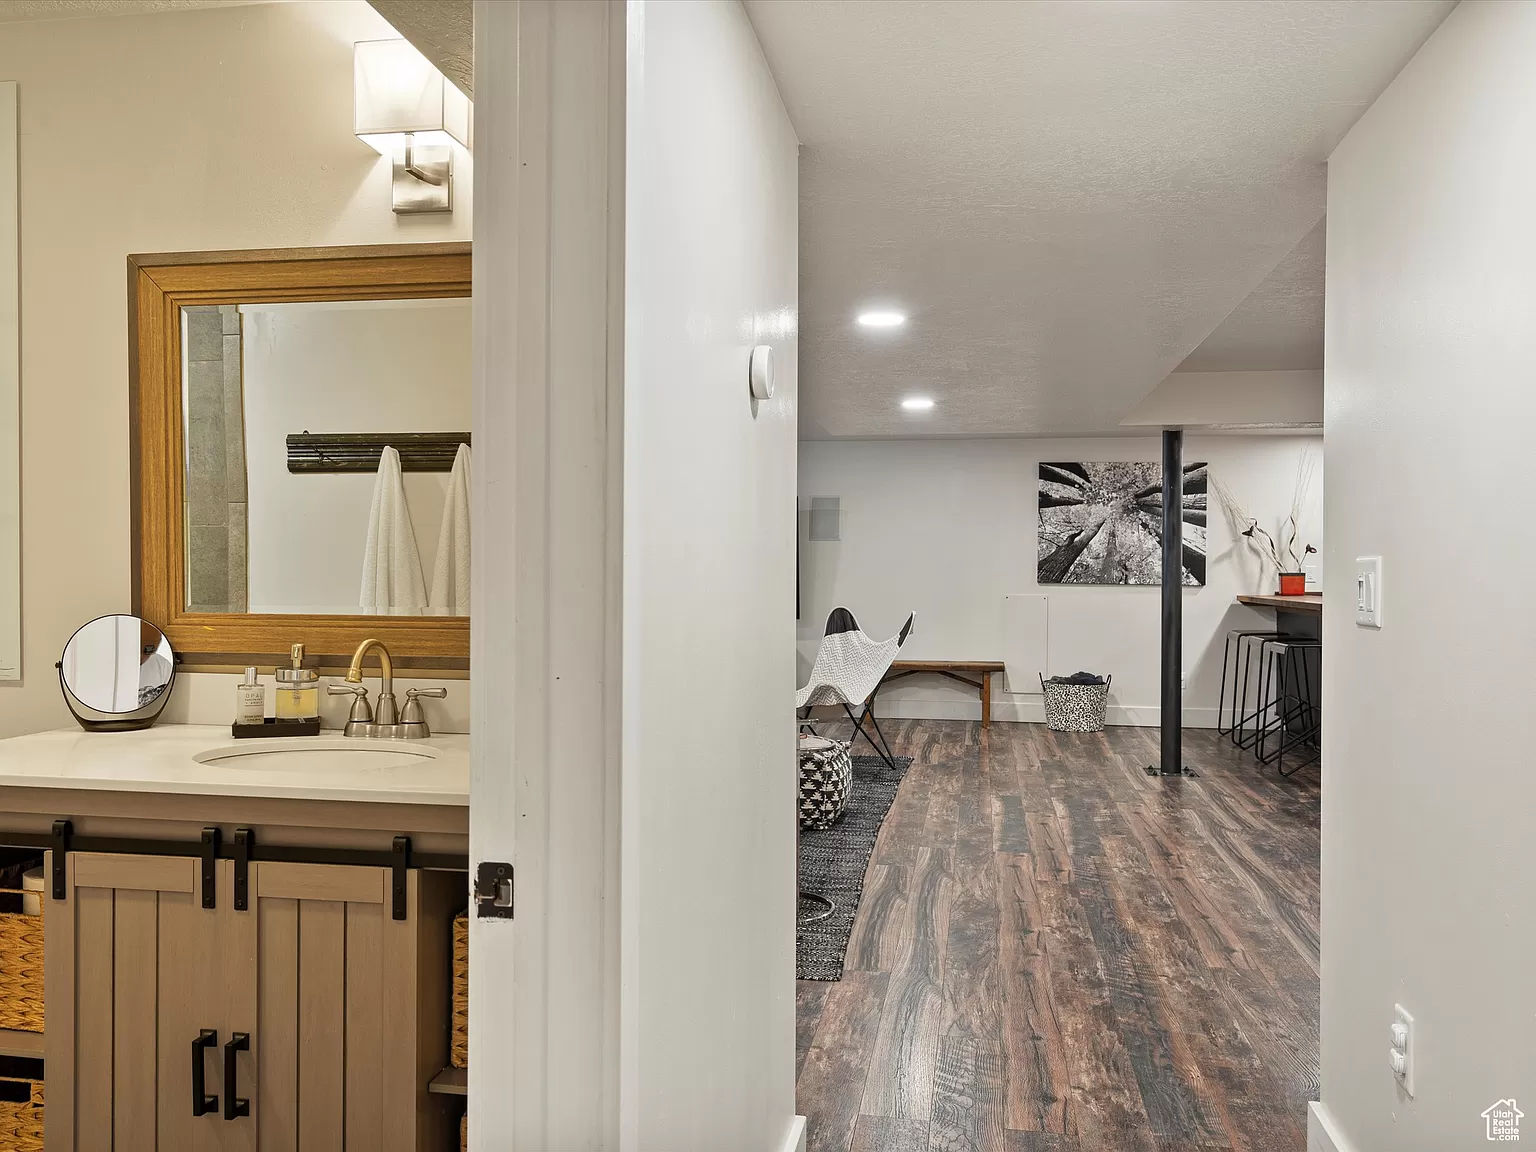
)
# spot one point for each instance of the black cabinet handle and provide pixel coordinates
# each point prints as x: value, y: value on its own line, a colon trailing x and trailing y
x: 202, y: 1103
x: 234, y: 1106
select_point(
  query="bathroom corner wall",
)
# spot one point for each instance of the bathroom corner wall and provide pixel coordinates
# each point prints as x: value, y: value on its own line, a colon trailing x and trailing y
x: 172, y: 131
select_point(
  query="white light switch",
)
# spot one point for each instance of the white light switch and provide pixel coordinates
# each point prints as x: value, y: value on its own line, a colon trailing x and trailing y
x: 1368, y: 591
x: 1402, y: 1047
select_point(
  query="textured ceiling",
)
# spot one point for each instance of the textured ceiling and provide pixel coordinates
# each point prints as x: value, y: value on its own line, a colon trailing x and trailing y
x: 11, y: 10
x: 442, y: 30
x: 1279, y: 327
x: 1066, y: 198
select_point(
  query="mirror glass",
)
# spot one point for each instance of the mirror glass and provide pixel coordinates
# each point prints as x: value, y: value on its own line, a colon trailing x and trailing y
x: 293, y: 416
x: 117, y: 664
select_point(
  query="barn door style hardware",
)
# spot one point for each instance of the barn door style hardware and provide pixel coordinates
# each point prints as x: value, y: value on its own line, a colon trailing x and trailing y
x: 242, y: 848
x: 493, y: 890
x: 63, y: 833
x: 244, y: 839
x: 210, y: 856
x: 234, y: 1106
x: 202, y: 1103
x: 400, y: 866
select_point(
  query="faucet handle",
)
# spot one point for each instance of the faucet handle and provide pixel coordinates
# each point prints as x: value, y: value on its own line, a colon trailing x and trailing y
x: 412, y: 713
x: 361, y: 715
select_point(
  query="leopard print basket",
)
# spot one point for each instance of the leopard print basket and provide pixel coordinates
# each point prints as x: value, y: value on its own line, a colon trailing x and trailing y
x: 1075, y: 707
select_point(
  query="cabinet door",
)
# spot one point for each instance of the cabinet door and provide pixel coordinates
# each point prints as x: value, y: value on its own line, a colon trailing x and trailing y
x: 134, y: 969
x: 333, y: 1013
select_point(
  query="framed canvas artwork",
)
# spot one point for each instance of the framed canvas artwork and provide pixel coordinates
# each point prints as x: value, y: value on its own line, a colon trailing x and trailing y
x: 1101, y: 523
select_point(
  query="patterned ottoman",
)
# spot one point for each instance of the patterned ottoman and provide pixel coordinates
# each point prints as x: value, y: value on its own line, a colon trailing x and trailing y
x: 826, y: 776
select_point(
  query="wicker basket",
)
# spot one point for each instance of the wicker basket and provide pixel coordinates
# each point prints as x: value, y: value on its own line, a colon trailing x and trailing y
x: 21, y: 966
x: 461, y: 990
x: 21, y: 1121
x: 464, y: 1133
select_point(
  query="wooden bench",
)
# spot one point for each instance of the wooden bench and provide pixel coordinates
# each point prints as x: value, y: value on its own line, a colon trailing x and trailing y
x: 961, y: 670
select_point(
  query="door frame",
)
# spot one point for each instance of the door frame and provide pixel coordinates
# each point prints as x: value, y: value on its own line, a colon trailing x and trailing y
x: 547, y: 501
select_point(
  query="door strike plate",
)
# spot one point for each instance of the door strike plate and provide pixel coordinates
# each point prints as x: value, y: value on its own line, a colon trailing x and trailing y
x: 493, y: 890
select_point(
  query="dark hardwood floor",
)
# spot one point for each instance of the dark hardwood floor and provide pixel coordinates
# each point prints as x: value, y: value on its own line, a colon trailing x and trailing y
x: 1056, y: 951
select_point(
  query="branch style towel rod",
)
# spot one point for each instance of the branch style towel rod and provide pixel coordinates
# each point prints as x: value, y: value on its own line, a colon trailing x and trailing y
x: 360, y: 451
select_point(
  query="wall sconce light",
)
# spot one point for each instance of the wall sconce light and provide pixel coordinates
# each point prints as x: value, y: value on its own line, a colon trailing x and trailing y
x: 406, y: 109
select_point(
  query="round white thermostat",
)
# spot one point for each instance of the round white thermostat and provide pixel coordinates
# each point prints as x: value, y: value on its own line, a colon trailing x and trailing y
x: 762, y: 372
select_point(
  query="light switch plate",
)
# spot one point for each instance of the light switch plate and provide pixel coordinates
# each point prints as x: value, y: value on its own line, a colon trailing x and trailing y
x: 1401, y: 1016
x: 1368, y: 591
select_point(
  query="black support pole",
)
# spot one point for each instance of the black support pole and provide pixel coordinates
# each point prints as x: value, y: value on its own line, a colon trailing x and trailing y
x: 1172, y: 759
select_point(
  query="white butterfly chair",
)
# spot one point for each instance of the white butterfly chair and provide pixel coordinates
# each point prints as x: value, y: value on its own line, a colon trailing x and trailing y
x: 849, y: 667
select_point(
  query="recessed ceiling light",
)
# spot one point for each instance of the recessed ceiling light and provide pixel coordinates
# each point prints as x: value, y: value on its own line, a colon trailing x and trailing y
x: 917, y: 403
x: 882, y: 319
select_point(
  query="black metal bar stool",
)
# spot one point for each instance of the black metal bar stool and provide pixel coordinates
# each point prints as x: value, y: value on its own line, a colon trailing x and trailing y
x: 1250, y: 649
x: 1233, y: 647
x: 1267, y: 704
x: 1302, y: 726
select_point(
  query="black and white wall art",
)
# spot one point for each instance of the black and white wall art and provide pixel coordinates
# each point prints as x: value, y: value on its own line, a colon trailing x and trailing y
x: 1102, y: 523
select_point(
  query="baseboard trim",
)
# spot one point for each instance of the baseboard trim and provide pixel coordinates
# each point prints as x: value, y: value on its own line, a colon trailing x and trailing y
x: 1323, y: 1131
x: 795, y: 1140
x: 1026, y: 712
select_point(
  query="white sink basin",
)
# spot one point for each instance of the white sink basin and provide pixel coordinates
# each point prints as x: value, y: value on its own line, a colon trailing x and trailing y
x: 317, y: 754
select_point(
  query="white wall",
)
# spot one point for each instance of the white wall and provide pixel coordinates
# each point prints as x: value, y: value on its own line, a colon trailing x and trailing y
x: 10, y: 395
x: 176, y: 131
x: 709, y: 487
x: 947, y: 528
x: 1428, y: 791
x: 383, y: 366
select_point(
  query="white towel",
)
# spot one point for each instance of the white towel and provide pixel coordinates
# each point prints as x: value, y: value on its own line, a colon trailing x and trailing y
x: 450, y: 575
x: 392, y: 583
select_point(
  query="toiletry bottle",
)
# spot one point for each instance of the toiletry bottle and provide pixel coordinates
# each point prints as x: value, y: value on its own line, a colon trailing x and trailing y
x: 250, y: 700
x: 298, y: 689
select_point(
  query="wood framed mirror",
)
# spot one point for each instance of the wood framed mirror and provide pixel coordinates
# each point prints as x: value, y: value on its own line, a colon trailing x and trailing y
x: 264, y: 386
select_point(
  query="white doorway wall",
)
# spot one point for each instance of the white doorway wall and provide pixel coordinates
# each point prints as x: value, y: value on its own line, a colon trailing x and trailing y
x: 709, y: 589
x: 635, y: 236
x: 1427, y: 785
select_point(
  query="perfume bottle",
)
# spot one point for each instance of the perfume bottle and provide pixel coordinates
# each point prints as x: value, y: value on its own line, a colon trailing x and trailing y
x: 250, y: 700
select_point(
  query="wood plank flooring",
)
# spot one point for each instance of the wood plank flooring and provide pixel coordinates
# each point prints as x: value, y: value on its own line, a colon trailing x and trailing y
x: 1058, y: 953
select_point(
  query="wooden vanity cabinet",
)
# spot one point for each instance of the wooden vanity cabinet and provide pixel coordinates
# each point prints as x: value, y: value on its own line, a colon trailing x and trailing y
x: 346, y: 1009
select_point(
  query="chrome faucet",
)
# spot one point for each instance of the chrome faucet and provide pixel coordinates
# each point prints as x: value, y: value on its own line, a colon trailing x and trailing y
x: 386, y: 721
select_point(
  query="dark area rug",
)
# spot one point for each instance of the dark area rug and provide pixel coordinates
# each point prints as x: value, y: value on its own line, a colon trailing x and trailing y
x: 832, y: 864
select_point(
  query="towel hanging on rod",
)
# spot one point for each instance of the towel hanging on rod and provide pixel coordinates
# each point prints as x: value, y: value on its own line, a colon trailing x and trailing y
x: 449, y: 595
x: 359, y: 451
x: 392, y: 582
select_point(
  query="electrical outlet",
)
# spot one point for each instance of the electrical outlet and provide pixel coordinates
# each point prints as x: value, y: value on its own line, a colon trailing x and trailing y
x: 1402, y: 1047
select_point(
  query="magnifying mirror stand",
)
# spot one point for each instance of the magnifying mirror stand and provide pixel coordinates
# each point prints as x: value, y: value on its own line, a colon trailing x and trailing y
x: 94, y: 721
x: 117, y: 660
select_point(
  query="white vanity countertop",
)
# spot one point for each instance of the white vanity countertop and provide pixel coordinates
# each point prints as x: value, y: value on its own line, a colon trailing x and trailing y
x: 166, y: 758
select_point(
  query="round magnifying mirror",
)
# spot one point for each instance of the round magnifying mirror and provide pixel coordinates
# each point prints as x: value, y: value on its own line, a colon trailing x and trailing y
x: 117, y: 673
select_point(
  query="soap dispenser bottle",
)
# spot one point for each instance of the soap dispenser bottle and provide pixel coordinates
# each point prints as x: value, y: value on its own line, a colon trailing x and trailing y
x: 298, y: 689
x: 250, y: 700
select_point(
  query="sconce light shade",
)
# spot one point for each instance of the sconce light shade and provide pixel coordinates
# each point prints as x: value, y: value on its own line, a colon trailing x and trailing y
x: 406, y: 109
x: 395, y: 90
